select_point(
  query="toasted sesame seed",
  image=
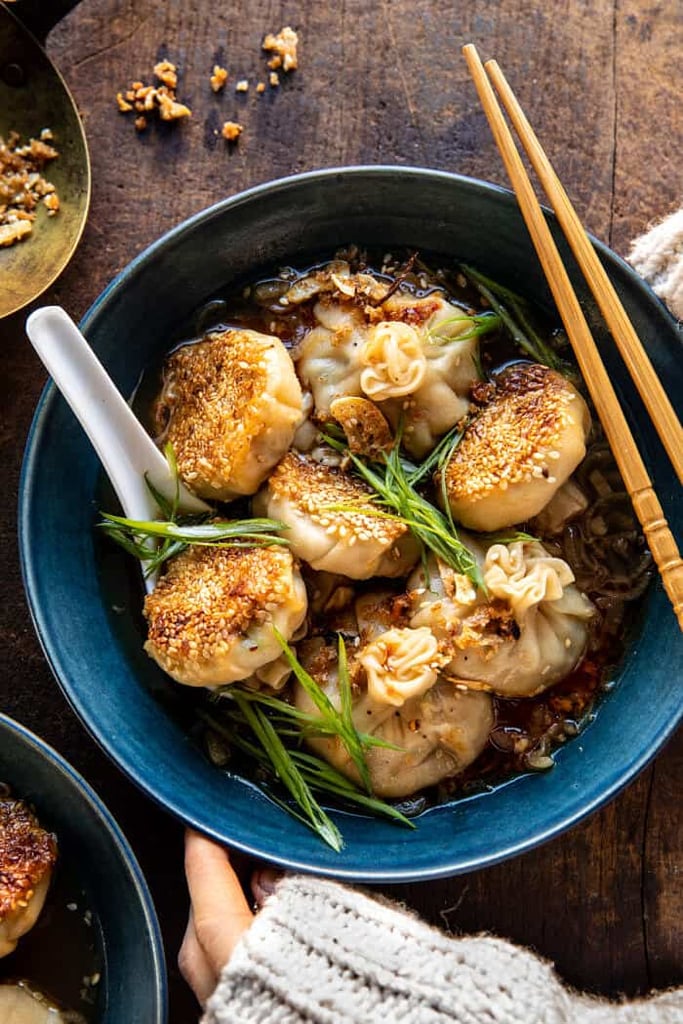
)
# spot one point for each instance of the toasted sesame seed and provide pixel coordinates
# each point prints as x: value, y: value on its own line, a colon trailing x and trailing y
x: 311, y: 488
x: 513, y: 435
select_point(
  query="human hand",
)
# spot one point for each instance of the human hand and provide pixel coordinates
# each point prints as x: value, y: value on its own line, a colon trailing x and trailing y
x: 219, y: 912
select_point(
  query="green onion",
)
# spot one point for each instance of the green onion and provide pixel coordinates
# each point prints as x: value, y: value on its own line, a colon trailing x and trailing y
x: 514, y: 313
x: 341, y: 720
x: 482, y: 323
x: 177, y: 533
x: 393, y: 484
x: 275, y: 731
x: 289, y: 775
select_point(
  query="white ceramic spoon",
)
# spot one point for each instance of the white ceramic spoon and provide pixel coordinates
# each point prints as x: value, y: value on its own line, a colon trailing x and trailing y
x: 125, y: 449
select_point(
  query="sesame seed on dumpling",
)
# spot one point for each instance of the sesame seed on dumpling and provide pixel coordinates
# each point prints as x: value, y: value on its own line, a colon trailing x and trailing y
x: 519, y: 449
x: 230, y: 407
x: 211, y: 615
x: 312, y: 500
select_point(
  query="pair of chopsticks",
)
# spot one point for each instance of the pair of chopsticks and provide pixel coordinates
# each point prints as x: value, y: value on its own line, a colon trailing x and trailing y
x: 636, y: 479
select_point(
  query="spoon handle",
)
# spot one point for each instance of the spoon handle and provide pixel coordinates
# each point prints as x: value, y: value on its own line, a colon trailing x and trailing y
x: 122, y: 444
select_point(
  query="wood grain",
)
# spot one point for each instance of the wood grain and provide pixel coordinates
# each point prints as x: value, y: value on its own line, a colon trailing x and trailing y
x: 379, y: 82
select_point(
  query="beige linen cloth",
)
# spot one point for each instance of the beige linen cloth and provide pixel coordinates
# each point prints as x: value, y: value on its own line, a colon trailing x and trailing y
x: 321, y: 953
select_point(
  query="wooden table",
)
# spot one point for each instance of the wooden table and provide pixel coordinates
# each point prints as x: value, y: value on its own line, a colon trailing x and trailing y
x: 378, y: 82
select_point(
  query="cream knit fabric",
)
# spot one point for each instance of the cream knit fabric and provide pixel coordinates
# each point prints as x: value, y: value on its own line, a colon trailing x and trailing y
x: 658, y: 257
x: 319, y: 953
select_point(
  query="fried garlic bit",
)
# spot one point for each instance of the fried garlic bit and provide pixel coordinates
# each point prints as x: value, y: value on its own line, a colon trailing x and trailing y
x: 230, y: 406
x: 367, y: 431
x: 211, y: 615
x: 22, y: 185
x: 27, y: 856
x: 283, y: 46
x: 231, y: 131
x: 218, y: 78
x: 148, y: 100
x: 524, y: 442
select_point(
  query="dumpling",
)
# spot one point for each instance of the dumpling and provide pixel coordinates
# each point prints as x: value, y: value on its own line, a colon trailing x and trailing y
x: 439, y: 732
x: 526, y: 633
x: 21, y: 1005
x: 230, y: 406
x: 447, y: 367
x: 27, y: 857
x: 328, y: 359
x: 211, y: 615
x: 310, y: 499
x: 401, y: 663
x: 414, y: 356
x: 520, y: 448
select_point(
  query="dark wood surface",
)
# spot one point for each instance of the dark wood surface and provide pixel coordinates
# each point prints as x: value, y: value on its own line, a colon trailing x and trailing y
x: 378, y: 82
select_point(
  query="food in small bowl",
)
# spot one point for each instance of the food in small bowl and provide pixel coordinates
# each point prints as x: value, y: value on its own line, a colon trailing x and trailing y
x: 195, y: 275
x: 79, y: 934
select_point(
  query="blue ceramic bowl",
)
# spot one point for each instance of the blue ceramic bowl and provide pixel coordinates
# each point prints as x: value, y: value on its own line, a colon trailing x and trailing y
x: 98, y: 913
x: 86, y: 608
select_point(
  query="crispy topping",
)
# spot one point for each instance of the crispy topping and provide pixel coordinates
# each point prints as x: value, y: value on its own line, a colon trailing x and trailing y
x: 22, y: 185
x: 146, y: 99
x: 209, y: 597
x: 166, y: 73
x: 27, y: 853
x: 231, y: 130
x: 512, y: 436
x: 321, y: 492
x: 367, y: 431
x: 218, y: 78
x: 283, y: 46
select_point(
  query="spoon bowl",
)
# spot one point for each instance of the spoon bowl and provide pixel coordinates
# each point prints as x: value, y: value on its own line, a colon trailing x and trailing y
x: 126, y: 451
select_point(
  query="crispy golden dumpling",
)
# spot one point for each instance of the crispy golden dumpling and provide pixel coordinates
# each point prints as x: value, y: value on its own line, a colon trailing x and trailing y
x: 311, y: 500
x: 520, y: 448
x: 438, y: 732
x: 211, y: 616
x: 27, y: 856
x: 230, y: 406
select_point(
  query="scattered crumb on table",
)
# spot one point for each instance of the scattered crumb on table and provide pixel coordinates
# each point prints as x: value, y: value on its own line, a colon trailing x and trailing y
x: 148, y: 100
x: 231, y: 130
x: 218, y: 78
x: 283, y: 46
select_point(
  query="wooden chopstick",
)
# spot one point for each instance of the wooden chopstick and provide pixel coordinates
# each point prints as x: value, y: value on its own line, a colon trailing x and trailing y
x: 634, y: 355
x: 638, y: 484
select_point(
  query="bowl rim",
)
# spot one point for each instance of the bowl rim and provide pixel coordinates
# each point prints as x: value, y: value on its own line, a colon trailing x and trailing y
x: 109, y: 827
x: 628, y: 771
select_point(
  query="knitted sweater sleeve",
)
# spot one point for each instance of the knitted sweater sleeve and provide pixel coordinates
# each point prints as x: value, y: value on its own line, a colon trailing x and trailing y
x: 319, y: 953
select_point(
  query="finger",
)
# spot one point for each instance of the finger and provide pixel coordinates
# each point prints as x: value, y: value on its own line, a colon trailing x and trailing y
x: 263, y: 884
x: 219, y: 908
x: 194, y: 966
